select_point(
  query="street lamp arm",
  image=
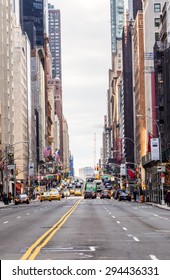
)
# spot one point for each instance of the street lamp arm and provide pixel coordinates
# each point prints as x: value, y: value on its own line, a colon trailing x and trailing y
x: 129, y: 139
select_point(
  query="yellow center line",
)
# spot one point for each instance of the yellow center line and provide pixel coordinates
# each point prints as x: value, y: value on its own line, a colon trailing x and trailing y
x: 35, y: 248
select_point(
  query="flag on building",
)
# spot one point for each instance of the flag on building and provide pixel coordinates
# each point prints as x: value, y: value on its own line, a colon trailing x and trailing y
x: 47, y: 151
x: 131, y: 173
x: 57, y: 155
x: 150, y: 136
x: 2, y: 165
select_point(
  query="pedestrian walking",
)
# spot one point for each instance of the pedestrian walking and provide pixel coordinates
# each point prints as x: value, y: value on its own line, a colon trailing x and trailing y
x: 135, y: 192
x: 167, y: 198
x: 5, y: 198
x: 9, y: 197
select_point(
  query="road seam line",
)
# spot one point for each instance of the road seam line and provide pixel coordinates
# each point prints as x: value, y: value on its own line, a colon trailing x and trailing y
x: 136, y: 239
x: 153, y: 257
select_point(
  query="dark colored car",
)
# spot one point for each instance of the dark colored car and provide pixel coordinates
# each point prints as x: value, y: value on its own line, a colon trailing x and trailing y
x: 89, y: 194
x: 105, y: 194
x: 124, y: 196
x: 117, y: 193
x: 22, y: 198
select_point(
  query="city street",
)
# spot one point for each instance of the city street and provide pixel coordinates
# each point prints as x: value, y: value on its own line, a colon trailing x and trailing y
x: 76, y: 228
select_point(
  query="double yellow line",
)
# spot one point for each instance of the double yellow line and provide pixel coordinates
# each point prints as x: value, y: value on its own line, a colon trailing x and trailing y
x: 33, y: 251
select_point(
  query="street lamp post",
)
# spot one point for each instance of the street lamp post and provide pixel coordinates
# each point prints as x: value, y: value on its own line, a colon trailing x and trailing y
x: 160, y: 152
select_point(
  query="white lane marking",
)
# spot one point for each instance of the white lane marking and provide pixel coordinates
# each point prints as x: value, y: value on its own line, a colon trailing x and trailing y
x: 124, y: 228
x: 118, y: 222
x: 107, y: 210
x: 5, y: 222
x: 110, y: 213
x: 28, y: 214
x: 155, y: 215
x: 153, y: 257
x: 18, y: 217
x: 136, y: 239
x: 35, y: 210
x: 113, y: 217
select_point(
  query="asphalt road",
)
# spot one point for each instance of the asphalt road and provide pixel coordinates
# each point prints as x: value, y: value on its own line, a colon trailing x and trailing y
x: 78, y: 229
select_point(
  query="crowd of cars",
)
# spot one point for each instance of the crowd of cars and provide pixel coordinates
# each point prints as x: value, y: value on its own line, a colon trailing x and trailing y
x: 106, y: 190
x: 89, y: 190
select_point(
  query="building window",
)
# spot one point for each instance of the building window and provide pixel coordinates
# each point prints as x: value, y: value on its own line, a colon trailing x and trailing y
x: 156, y: 36
x: 157, y: 8
x: 157, y: 22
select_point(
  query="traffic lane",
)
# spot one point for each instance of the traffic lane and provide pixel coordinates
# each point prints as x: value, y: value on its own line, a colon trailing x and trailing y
x: 91, y: 232
x: 33, y: 206
x: 9, y: 211
x: 19, y: 233
x: 149, y: 230
x: 153, y: 216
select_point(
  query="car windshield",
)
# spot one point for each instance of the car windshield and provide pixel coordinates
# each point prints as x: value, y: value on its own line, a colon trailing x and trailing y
x: 22, y: 195
x: 54, y: 193
x: 46, y: 193
x: 123, y: 193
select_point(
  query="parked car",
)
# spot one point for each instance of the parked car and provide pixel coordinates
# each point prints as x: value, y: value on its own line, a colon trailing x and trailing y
x: 22, y: 198
x: 89, y: 194
x: 105, y: 194
x: 124, y: 196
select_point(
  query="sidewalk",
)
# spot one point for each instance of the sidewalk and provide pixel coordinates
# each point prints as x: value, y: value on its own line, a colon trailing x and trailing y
x: 159, y: 205
x: 2, y: 205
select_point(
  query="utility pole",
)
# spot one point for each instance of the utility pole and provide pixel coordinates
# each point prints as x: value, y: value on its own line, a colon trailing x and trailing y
x: 94, y: 150
x: 6, y: 171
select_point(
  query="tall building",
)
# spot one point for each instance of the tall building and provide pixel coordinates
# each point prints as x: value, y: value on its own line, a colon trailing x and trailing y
x: 114, y: 115
x: 55, y: 48
x: 139, y: 88
x: 21, y: 128
x: 137, y: 6
x: 134, y: 6
x: 151, y: 21
x: 55, y: 40
x: 65, y: 147
x: 6, y: 84
x: 117, y: 19
x: 128, y: 91
x: 33, y: 21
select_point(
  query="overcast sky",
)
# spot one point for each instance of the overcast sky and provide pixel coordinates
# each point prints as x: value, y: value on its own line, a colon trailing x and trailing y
x: 86, y: 59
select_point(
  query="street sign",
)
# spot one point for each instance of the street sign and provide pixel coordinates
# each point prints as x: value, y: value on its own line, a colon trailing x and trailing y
x: 161, y: 168
x: 12, y: 166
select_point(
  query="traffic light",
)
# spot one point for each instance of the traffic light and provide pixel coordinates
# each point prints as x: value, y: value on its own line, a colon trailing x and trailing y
x: 11, y: 158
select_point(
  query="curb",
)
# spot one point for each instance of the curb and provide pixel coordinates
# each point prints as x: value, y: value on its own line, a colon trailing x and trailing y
x: 159, y: 206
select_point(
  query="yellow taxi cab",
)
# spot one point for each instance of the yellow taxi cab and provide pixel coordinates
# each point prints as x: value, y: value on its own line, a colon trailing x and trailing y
x: 45, y: 196
x: 55, y: 195
x: 77, y: 192
x: 72, y: 191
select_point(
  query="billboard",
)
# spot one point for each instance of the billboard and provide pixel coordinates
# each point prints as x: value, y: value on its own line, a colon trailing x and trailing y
x: 155, y: 149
